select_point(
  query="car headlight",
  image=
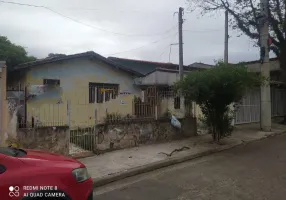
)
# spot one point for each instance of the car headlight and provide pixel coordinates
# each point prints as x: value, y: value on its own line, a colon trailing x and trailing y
x: 80, y: 174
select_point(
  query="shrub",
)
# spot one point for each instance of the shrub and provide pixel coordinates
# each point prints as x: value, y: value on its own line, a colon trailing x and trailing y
x: 214, y: 90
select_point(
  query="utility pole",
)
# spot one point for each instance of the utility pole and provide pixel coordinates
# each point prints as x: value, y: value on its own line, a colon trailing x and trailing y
x: 181, y: 58
x: 226, y: 37
x: 265, y: 99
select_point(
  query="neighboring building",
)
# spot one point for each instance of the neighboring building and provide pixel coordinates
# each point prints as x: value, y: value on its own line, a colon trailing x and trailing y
x: 249, y: 109
x: 156, y: 73
x: 254, y: 66
x: 201, y: 65
x: 160, y: 77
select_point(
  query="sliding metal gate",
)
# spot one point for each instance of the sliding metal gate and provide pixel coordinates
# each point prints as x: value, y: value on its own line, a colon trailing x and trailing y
x: 248, y: 110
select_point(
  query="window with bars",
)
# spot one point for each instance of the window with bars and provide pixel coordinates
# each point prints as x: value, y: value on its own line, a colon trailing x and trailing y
x: 177, y: 103
x: 100, y: 89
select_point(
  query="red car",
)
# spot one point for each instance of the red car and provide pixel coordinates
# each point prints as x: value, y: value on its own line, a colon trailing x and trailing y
x: 31, y: 174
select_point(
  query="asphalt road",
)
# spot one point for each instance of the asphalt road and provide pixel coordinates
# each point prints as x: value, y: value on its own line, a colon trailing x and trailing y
x: 255, y: 171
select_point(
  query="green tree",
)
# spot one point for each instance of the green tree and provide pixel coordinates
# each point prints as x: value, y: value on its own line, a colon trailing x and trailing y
x: 54, y: 55
x: 214, y: 90
x: 13, y: 54
x: 244, y: 17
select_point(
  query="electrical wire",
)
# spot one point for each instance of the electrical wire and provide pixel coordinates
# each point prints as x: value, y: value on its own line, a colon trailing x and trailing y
x: 167, y: 47
x: 100, y: 29
x: 122, y: 11
x: 206, y: 30
x: 154, y: 42
x: 22, y: 4
x: 91, y: 9
x: 85, y: 24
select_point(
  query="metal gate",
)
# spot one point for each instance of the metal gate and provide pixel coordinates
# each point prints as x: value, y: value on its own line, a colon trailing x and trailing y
x: 248, y: 110
x: 147, y: 108
x: 278, y: 100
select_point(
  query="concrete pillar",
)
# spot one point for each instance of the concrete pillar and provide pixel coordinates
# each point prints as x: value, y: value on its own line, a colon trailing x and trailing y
x: 265, y: 104
x: 4, y: 113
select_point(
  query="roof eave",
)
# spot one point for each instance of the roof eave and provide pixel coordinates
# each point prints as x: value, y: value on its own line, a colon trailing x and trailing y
x: 89, y: 55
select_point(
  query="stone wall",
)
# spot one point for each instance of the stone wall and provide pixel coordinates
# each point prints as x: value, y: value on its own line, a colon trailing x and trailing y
x: 10, y: 124
x: 52, y: 139
x: 126, y: 135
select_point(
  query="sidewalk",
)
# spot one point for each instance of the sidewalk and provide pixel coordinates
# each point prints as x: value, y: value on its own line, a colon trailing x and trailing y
x: 120, y: 164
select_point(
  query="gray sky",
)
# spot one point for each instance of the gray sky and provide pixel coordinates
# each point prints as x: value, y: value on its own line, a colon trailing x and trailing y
x: 42, y: 31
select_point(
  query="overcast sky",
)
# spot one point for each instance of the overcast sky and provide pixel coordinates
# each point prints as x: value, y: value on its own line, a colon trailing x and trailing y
x: 136, y: 24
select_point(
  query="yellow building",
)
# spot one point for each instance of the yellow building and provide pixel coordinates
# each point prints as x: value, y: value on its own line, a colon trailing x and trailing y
x: 80, y: 90
x: 80, y: 83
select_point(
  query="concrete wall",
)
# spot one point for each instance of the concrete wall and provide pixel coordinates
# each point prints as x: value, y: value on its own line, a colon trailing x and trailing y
x: 167, y: 105
x: 119, y: 136
x: 255, y: 67
x: 75, y: 76
x: 51, y: 139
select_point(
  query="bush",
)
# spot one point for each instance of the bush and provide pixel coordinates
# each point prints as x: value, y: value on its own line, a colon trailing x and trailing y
x: 214, y: 90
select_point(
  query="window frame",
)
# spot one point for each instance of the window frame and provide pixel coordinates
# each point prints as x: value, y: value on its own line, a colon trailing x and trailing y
x: 112, y: 94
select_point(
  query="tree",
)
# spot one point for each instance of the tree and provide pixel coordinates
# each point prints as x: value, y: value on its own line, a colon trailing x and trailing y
x: 54, y: 55
x: 214, y: 90
x: 244, y: 17
x: 13, y: 54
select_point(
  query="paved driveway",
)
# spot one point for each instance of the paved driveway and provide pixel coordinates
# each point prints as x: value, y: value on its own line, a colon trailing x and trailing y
x: 249, y: 172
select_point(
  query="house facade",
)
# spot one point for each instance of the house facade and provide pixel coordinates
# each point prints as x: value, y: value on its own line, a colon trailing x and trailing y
x: 84, y: 89
x: 71, y: 89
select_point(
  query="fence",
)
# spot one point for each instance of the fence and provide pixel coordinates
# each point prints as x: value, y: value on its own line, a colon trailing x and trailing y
x: 248, y: 110
x: 278, y: 101
x: 83, y: 109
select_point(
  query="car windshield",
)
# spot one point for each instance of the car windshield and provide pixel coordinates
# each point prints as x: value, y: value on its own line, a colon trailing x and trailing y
x: 11, y: 151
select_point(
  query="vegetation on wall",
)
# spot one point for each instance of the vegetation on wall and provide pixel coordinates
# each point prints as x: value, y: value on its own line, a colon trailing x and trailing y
x: 214, y: 90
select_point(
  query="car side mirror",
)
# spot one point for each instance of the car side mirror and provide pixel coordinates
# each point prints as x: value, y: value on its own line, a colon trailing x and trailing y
x: 2, y: 169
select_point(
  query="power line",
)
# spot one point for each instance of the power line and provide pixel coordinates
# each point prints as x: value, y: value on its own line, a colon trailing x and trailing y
x: 123, y: 11
x: 104, y: 30
x: 88, y: 25
x: 88, y: 9
x: 22, y: 4
x: 154, y: 42
x: 206, y: 30
x: 100, y: 29
x: 166, y: 47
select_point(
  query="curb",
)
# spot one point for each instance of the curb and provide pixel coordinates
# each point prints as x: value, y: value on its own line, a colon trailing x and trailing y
x: 97, y: 182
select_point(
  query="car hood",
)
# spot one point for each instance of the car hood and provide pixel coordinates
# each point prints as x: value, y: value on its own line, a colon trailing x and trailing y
x: 41, y: 157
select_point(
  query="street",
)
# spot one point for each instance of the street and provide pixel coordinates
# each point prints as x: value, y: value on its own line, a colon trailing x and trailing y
x: 248, y: 172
